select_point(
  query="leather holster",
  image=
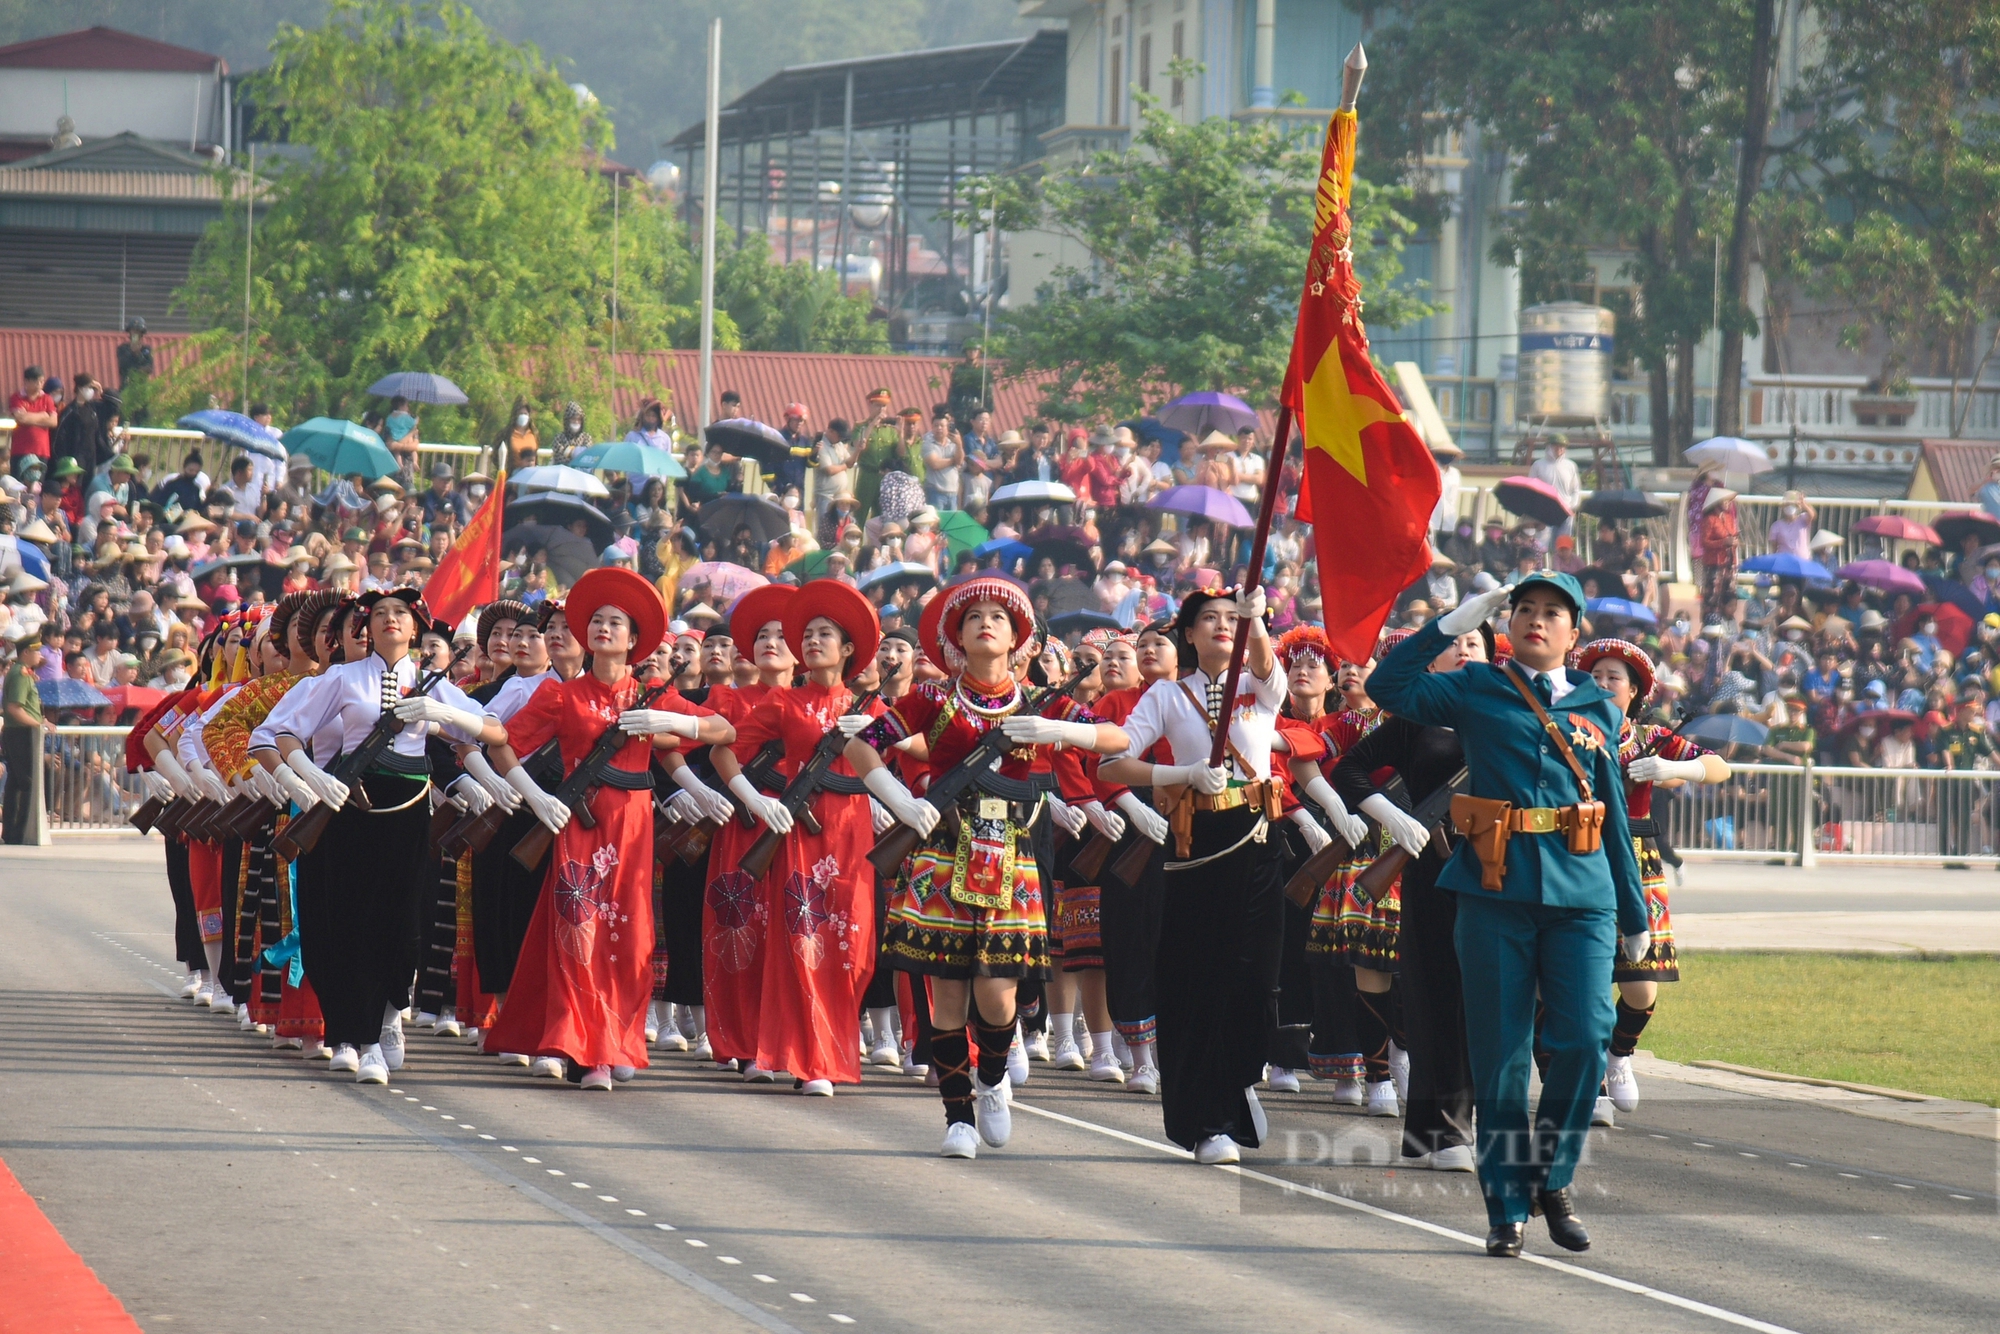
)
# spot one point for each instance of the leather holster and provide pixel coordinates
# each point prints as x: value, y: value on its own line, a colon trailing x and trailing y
x: 1484, y: 824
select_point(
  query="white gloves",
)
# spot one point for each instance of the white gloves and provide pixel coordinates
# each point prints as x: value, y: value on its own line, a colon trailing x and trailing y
x: 295, y: 787
x: 1107, y: 823
x: 422, y: 708
x: 1201, y: 777
x: 470, y: 795
x: 1635, y: 945
x: 209, y: 784
x: 323, y: 785
x: 1475, y: 611
x: 1409, y: 835
x: 1152, y: 825
x: 1350, y: 827
x: 708, y: 803
x: 475, y: 763
x: 552, y: 813
x: 1067, y: 817
x: 658, y: 722
x: 851, y: 724
x: 156, y: 785
x: 1250, y: 604
x: 264, y: 785
x: 176, y: 776
x: 682, y: 808
x: 768, y: 810
x: 889, y: 790
x: 1049, y: 732
x: 878, y: 816
x: 1316, y: 838
x: 1653, y: 769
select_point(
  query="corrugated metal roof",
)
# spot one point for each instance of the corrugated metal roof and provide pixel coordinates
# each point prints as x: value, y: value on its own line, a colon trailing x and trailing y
x: 1958, y: 467
x: 103, y: 48
x: 52, y: 182
x: 830, y: 384
x: 64, y: 352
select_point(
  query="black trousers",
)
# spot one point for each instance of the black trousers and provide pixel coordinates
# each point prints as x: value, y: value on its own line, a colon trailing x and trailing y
x: 438, y: 938
x: 881, y: 992
x: 1222, y: 930
x: 503, y: 901
x: 1129, y: 920
x: 681, y: 888
x: 232, y: 919
x: 1438, y: 1113
x: 19, y: 746
x: 187, y: 926
x: 1291, y: 1047
x: 358, y: 907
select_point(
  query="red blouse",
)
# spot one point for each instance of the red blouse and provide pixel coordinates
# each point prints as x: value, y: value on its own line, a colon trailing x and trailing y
x: 578, y: 711
x: 960, y: 719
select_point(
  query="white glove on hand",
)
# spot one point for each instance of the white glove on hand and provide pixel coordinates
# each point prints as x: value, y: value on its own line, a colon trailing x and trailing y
x: 175, y: 774
x: 1653, y: 769
x: 323, y: 785
x: 552, y: 813
x: 1201, y: 777
x: 475, y: 763
x: 709, y: 804
x: 265, y: 786
x: 889, y: 790
x: 852, y: 724
x: 1316, y: 838
x: 439, y: 799
x: 422, y: 708
x: 1107, y: 823
x: 1152, y: 825
x: 470, y: 795
x: 682, y: 808
x: 1351, y: 827
x: 1475, y: 611
x: 1409, y: 835
x: 1049, y: 732
x: 768, y: 810
x: 1067, y: 817
x: 156, y: 785
x: 658, y: 722
x: 1635, y: 945
x: 209, y: 784
x: 295, y: 788
x: 878, y: 816
x: 1250, y: 604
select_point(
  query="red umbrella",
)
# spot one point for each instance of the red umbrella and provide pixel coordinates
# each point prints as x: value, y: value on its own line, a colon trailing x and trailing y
x: 1954, y: 627
x: 1882, y: 718
x: 1532, y: 498
x: 1896, y: 526
x: 133, y: 697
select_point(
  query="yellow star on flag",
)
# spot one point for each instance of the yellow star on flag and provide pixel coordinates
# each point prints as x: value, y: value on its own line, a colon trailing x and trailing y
x: 1335, y: 415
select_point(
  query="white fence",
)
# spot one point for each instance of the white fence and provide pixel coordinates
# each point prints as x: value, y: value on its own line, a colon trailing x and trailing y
x: 84, y: 783
x: 1814, y: 813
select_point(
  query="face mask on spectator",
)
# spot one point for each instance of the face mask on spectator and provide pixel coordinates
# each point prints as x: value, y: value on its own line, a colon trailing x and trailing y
x: 520, y: 419
x: 86, y: 393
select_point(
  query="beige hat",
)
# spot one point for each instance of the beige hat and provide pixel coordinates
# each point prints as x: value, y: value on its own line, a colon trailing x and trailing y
x: 701, y: 614
x: 1217, y: 440
x: 1825, y: 540
x: 892, y: 530
x: 420, y: 563
x: 339, y: 563
x: 38, y: 530
x: 136, y: 550
x: 1123, y: 436
x: 193, y: 523
x: 1010, y: 437
x: 924, y: 515
x: 24, y: 582
x: 386, y: 483
x: 1795, y: 623
x: 1440, y: 561
x: 1418, y: 605
x: 1159, y: 546
x: 1793, y: 498
x: 1872, y: 619
x: 298, y: 555
x: 1722, y: 495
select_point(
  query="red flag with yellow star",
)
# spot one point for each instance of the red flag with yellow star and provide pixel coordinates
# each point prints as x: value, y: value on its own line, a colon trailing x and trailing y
x: 469, y: 574
x: 1369, y: 477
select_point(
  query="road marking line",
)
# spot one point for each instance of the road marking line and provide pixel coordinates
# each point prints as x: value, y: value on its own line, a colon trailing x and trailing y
x: 1424, y: 1225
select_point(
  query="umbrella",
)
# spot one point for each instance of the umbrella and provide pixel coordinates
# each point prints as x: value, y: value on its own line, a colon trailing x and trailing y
x: 630, y: 457
x: 1787, y: 566
x: 961, y: 530
x: 896, y: 575
x: 1029, y: 492
x: 133, y: 697
x: 1200, y: 413
x: 1724, y: 731
x: 721, y: 517
x: 1952, y: 529
x: 811, y: 565
x: 1896, y: 526
x: 557, y: 477
x: 748, y: 438
x: 1623, y: 609
x: 1950, y: 592
x: 726, y: 582
x: 1083, y: 620
x: 1622, y: 503
x: 552, y: 507
x: 1881, y: 717
x: 1731, y: 455
x: 208, y: 567
x: 33, y: 559
x: 1532, y: 498
x: 1882, y: 574
x: 66, y: 693
x: 1064, y: 546
x: 1954, y: 624
x: 341, y: 447
x: 1203, y: 502
x: 418, y: 387
x: 236, y: 429
x: 1151, y: 428
x: 1003, y: 552
x: 569, y: 556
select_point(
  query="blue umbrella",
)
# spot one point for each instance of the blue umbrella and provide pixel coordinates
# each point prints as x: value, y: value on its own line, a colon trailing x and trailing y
x: 1149, y: 428
x: 628, y: 456
x: 33, y: 559
x: 1003, y: 551
x: 1723, y: 731
x: 1200, y: 413
x: 1785, y: 565
x: 67, y: 693
x: 1623, y: 608
x: 236, y: 429
x: 341, y: 447
x: 907, y: 571
x: 418, y: 387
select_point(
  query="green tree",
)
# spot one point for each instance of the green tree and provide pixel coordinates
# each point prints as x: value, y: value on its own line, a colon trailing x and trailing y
x: 1198, y: 236
x: 445, y: 212
x: 790, y: 307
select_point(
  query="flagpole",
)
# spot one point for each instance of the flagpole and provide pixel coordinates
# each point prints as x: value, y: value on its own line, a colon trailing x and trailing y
x: 1252, y: 574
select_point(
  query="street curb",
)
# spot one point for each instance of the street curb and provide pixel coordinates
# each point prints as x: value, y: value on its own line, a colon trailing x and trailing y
x: 1974, y: 1119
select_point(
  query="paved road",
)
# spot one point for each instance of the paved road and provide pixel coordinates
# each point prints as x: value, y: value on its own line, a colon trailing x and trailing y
x: 215, y: 1184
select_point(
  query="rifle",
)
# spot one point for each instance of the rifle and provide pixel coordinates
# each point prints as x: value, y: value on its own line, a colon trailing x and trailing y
x: 1431, y: 812
x: 899, y: 841
x: 1089, y: 859
x: 469, y: 835
x: 1316, y: 870
x: 303, y: 834
x: 689, y: 841
x: 147, y: 815
x: 798, y: 794
x: 576, y: 789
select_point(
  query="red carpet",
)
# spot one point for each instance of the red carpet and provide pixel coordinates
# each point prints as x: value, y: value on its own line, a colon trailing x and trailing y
x: 49, y: 1289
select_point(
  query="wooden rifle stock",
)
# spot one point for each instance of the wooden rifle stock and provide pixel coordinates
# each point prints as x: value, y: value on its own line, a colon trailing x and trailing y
x: 147, y: 815
x: 1311, y: 877
x: 443, y: 820
x: 303, y: 834
x: 171, y: 820
x: 1378, y: 875
x: 576, y: 789
x: 1089, y: 859
x: 799, y: 793
x: 533, y: 847
x: 470, y: 835
x: 1130, y: 863
x: 252, y: 813
x: 897, y: 842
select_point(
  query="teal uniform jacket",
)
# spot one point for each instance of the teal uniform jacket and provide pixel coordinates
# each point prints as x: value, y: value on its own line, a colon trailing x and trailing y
x: 1511, y: 758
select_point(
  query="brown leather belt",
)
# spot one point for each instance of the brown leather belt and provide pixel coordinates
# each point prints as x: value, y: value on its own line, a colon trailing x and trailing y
x: 1249, y: 794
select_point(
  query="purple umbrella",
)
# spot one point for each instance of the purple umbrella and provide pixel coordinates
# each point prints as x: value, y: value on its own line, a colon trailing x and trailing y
x: 1203, y: 502
x: 1198, y: 414
x: 726, y: 581
x: 1882, y: 574
x: 1532, y: 498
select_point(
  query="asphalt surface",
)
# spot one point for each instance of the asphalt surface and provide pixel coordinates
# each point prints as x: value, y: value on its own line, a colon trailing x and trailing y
x: 214, y: 1183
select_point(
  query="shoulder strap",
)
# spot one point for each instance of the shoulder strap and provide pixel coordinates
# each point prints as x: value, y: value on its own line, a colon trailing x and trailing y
x: 1563, y: 747
x: 1228, y: 745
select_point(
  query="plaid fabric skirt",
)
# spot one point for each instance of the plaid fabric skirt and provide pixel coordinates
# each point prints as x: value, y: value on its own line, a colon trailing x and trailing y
x: 932, y: 933
x: 1352, y: 928
x: 1661, y: 964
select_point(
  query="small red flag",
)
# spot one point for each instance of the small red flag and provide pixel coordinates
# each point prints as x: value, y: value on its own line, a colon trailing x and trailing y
x: 1368, y: 472
x: 469, y: 574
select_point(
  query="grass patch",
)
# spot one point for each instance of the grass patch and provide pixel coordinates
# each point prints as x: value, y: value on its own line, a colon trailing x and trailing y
x: 1926, y: 1024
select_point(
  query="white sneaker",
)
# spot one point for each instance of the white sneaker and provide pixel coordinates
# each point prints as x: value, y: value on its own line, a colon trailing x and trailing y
x: 1602, y: 1112
x: 1259, y: 1123
x: 817, y: 1088
x: 1121, y: 1051
x: 392, y: 1043
x: 1624, y: 1085
x: 910, y: 1066
x: 288, y: 1044
x: 1038, y: 1047
x: 1456, y: 1158
x: 757, y: 1074
x: 1068, y: 1055
x: 1144, y: 1079
x: 990, y: 1109
x: 885, y: 1052
x: 701, y: 1050
x: 1217, y: 1149
x: 671, y: 1040
x: 597, y: 1079
x: 243, y: 1019
x: 1017, y: 1060
x: 448, y: 1026
x: 1382, y: 1099
x: 1349, y: 1093
x: 652, y: 1022
x: 472, y: 1036
x: 1281, y: 1080
x: 218, y: 999
x: 624, y: 1074
x: 1104, y: 1067
x: 191, y: 987
x: 1399, y: 1071
x: 315, y: 1050
x: 515, y: 1058
x: 425, y: 1019
x: 371, y: 1069
x: 547, y: 1067
x: 684, y: 1020
x: 960, y: 1141
x: 346, y: 1060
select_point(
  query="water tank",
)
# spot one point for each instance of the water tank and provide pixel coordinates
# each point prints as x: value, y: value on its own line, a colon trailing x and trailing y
x: 1565, y: 365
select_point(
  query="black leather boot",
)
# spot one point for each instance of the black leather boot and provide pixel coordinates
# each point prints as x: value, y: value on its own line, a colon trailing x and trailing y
x: 1505, y: 1240
x: 1565, y: 1230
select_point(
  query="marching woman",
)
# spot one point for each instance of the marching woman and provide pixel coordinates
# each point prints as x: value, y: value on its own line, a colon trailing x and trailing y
x: 585, y: 972
x: 211, y: 864
x: 820, y: 941
x: 1649, y: 754
x: 160, y: 743
x: 1222, y: 925
x: 969, y: 913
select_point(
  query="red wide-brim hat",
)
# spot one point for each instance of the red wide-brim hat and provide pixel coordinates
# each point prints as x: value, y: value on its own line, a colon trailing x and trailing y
x: 938, y: 627
x: 757, y: 609
x: 627, y: 591
x: 843, y: 604
x: 1637, y: 661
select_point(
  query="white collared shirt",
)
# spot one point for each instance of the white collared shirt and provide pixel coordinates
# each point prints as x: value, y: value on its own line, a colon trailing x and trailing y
x: 1559, y: 682
x: 514, y: 692
x: 1165, y: 711
x: 346, y: 701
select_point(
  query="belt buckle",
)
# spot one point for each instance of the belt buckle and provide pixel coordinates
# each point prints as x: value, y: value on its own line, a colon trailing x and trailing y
x: 992, y: 808
x: 1540, y: 820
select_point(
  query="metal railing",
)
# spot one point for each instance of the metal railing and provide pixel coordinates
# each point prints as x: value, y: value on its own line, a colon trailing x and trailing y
x: 84, y: 783
x: 1812, y: 813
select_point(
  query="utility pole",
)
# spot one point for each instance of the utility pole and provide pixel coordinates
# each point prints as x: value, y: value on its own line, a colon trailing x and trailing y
x: 249, y: 246
x: 712, y: 147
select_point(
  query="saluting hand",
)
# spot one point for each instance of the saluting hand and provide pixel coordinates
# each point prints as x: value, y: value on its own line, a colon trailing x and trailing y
x: 1475, y: 611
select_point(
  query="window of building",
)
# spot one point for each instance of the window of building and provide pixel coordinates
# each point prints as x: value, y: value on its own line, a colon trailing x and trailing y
x: 1179, y: 91
x: 1146, y: 63
x: 1117, y: 98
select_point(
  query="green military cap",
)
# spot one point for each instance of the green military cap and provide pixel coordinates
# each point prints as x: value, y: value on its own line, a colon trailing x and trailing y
x: 1565, y: 584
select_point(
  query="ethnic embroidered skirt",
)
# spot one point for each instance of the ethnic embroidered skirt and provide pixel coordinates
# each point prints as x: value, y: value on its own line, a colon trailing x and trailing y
x: 1349, y: 926
x: 1661, y: 964
x: 933, y: 933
